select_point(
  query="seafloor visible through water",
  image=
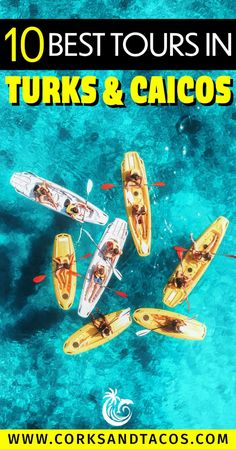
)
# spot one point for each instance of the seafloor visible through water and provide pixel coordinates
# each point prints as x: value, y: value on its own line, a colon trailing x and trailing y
x: 173, y: 383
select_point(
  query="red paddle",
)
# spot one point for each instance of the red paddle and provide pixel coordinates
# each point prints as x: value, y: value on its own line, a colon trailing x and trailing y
x: 41, y: 277
x: 108, y: 186
x: 86, y: 256
x: 74, y: 273
x: 117, y: 292
x: 38, y: 279
x: 183, y: 250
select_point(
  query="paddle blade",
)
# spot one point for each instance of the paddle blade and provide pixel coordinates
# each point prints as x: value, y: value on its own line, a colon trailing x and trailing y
x: 38, y: 279
x: 142, y: 333
x: 107, y: 186
x: 85, y: 256
x: 180, y: 248
x: 89, y: 186
x: 159, y: 184
x: 230, y: 255
x: 180, y: 251
x: 122, y: 294
x: 118, y: 274
x: 180, y: 254
x: 74, y: 273
x: 124, y: 314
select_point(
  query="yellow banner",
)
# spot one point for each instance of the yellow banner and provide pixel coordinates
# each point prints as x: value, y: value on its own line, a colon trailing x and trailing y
x: 107, y: 439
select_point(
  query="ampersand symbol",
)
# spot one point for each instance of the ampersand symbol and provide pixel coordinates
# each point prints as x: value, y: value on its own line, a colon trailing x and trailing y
x: 113, y: 95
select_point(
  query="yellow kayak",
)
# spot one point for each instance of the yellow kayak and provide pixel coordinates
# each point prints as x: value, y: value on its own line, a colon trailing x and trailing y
x: 64, y: 282
x: 88, y: 337
x: 193, y: 268
x: 170, y: 324
x: 135, y: 195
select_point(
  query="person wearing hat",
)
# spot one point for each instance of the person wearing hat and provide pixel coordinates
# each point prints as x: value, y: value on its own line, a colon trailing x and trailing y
x: 76, y: 211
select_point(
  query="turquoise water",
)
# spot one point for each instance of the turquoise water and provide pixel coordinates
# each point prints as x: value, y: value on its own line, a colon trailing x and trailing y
x: 173, y: 384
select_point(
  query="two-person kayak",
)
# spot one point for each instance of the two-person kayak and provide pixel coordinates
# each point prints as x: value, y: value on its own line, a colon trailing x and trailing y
x: 102, y: 265
x: 63, y: 266
x: 137, y: 202
x: 170, y: 324
x: 57, y: 198
x: 90, y: 336
x: 194, y: 263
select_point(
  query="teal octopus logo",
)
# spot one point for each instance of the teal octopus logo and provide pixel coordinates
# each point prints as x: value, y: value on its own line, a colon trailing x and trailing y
x: 116, y: 411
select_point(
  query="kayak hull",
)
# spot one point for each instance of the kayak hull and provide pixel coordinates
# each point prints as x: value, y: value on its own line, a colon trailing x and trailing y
x: 193, y: 268
x: 194, y: 330
x: 88, y: 337
x: 63, y: 246
x: 117, y: 230
x: 132, y: 161
x: 24, y: 183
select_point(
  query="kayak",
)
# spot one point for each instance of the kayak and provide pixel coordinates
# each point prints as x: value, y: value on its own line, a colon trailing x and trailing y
x: 116, y: 231
x: 88, y: 336
x: 192, y: 268
x: 63, y: 249
x: 25, y: 183
x: 135, y: 195
x: 189, y: 330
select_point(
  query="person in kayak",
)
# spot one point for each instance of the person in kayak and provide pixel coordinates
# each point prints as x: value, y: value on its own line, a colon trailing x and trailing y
x: 205, y: 255
x: 76, y: 210
x: 112, y: 250
x: 180, y: 280
x: 43, y: 195
x: 169, y: 324
x: 133, y: 179
x: 98, y: 277
x: 102, y: 325
x: 63, y: 265
x: 139, y: 211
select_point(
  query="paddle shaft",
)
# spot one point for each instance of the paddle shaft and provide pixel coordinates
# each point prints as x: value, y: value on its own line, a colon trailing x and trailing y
x: 214, y: 254
x: 115, y: 271
x: 103, y: 286
x: 108, y: 186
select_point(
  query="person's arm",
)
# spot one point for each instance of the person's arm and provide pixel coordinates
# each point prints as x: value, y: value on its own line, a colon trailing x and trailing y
x: 195, y: 247
x: 211, y: 245
x: 139, y: 181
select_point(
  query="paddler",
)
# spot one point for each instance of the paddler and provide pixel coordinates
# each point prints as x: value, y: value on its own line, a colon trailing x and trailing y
x: 169, y: 324
x: 98, y: 277
x: 138, y: 213
x: 43, y: 195
x: 203, y: 256
x: 76, y: 210
x: 133, y: 179
x: 180, y: 280
x: 112, y: 250
x: 63, y: 265
x: 102, y: 325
